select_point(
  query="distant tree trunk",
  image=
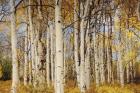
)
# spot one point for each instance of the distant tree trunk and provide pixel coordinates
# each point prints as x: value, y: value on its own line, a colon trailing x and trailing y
x: 15, y: 73
x: 36, y: 57
x: 59, y: 48
x: 26, y: 65
x: 76, y: 46
x: 87, y: 57
x: 96, y: 44
x: 31, y: 64
x: 26, y: 50
x: 138, y: 10
x: 128, y: 64
x: 41, y: 54
x: 52, y: 52
x: 121, y: 71
x: 64, y: 64
x: 132, y: 71
x: 109, y: 53
x: 102, y: 58
x: 127, y: 73
x: 41, y: 65
x: 118, y: 69
x: 48, y: 56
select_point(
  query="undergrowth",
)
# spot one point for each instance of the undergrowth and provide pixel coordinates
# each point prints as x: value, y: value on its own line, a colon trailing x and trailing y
x: 71, y: 88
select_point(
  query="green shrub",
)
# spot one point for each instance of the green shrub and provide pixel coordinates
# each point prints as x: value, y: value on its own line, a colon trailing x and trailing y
x: 6, y: 67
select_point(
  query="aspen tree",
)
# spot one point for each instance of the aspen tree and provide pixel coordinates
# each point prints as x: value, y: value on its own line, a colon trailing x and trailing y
x: 76, y: 46
x: 59, y: 49
x: 82, y: 47
x: 48, y: 56
x: 15, y: 73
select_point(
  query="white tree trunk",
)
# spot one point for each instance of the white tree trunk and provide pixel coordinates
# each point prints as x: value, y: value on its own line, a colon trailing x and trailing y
x: 26, y: 60
x: 121, y: 71
x: 15, y: 73
x: 82, y: 47
x: 26, y: 50
x: 65, y: 64
x: 48, y: 56
x: 87, y: 59
x: 82, y: 54
x: 118, y: 74
x: 36, y: 58
x: 32, y: 63
x: 120, y: 61
x: 102, y: 58
x: 96, y: 53
x: 52, y: 52
x: 59, y: 49
x: 76, y: 46
x: 127, y: 73
x: 138, y: 10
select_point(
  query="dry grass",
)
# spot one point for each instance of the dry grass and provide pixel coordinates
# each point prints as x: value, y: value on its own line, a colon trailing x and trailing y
x: 30, y: 89
x: 70, y: 88
x: 5, y: 86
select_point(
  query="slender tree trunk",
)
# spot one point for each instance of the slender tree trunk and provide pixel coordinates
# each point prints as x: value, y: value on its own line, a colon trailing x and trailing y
x: 26, y: 50
x: 36, y: 58
x: 48, y: 57
x: 76, y: 46
x: 65, y: 64
x: 26, y: 65
x: 82, y: 47
x: 109, y: 52
x: 121, y: 71
x: 31, y: 64
x: 15, y: 73
x: 52, y: 52
x: 87, y: 58
x: 82, y: 54
x: 97, y: 79
x: 138, y: 10
x: 127, y: 68
x: 59, y: 48
x: 118, y: 69
x: 103, y: 58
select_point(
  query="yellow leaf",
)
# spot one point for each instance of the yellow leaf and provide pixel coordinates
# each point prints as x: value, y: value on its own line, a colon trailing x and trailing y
x: 130, y: 34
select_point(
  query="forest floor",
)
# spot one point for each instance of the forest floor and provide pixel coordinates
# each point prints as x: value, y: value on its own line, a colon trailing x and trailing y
x: 130, y: 88
x: 5, y: 86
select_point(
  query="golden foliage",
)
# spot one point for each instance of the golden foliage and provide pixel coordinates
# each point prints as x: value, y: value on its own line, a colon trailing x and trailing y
x: 130, y: 34
x: 130, y: 55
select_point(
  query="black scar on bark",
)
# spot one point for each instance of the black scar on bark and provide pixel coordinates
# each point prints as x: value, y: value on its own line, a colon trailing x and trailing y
x: 59, y: 21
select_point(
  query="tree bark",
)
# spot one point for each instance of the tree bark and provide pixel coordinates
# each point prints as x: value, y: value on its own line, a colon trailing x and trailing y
x: 96, y: 44
x: 87, y: 58
x: 76, y: 46
x: 32, y: 63
x: 59, y: 48
x: 48, y: 57
x: 15, y: 73
x: 26, y: 65
x: 82, y: 47
x: 52, y: 52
